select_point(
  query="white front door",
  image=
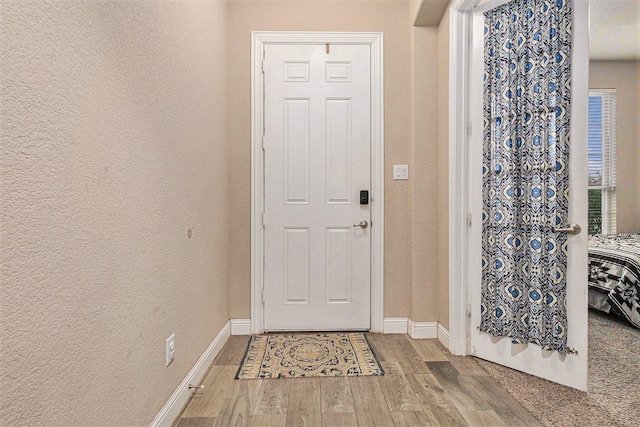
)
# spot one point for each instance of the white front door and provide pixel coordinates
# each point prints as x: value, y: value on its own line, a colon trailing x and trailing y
x: 570, y: 369
x: 317, y: 160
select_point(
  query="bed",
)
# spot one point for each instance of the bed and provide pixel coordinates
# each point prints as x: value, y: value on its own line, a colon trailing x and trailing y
x: 614, y: 275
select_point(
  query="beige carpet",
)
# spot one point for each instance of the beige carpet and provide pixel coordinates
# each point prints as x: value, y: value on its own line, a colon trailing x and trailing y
x: 308, y: 355
x: 613, y: 396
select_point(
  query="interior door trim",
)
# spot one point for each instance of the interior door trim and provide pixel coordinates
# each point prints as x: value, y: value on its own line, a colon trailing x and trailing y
x: 459, y: 97
x: 258, y: 41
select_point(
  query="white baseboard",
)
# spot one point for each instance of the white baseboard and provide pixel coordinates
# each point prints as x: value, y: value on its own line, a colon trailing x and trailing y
x: 423, y: 330
x: 443, y: 336
x: 179, y: 398
x: 395, y: 325
x: 240, y: 326
x: 417, y: 330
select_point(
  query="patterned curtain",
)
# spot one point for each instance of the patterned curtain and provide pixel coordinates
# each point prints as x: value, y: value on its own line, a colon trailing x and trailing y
x: 527, y: 85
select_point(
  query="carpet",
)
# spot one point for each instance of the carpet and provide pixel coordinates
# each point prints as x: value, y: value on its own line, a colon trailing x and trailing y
x: 308, y: 355
x: 612, y: 397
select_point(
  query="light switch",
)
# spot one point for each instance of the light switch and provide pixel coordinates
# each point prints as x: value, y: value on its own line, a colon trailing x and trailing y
x: 400, y: 172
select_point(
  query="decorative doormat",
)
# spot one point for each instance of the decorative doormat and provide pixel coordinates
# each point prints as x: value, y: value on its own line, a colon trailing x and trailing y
x: 308, y: 355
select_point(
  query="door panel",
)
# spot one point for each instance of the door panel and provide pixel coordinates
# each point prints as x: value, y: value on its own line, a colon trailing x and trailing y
x: 338, y: 266
x: 338, y: 151
x: 317, y: 159
x: 296, y: 265
x: 296, y: 151
x: 570, y: 369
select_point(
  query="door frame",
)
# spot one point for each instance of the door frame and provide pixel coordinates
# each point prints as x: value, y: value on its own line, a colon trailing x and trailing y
x: 259, y: 39
x: 461, y: 30
x: 459, y: 100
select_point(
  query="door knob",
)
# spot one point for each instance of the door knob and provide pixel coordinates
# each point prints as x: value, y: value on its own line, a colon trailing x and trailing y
x: 572, y: 229
x: 363, y: 224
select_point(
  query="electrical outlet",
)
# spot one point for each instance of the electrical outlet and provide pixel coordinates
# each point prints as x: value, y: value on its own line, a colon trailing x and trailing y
x: 170, y: 349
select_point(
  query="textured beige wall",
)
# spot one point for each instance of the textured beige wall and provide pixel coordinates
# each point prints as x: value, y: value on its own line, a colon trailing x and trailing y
x: 625, y: 77
x: 424, y: 179
x: 114, y: 144
x: 443, y: 170
x: 389, y: 16
x: 429, y: 214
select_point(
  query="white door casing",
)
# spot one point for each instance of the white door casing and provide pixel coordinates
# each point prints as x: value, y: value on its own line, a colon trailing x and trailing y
x: 571, y: 369
x: 321, y: 118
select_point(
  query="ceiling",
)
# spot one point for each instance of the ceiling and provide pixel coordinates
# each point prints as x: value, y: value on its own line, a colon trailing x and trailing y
x: 615, y: 30
x: 430, y: 13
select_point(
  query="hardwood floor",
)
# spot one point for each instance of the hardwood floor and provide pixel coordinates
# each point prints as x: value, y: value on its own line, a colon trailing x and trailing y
x: 423, y: 385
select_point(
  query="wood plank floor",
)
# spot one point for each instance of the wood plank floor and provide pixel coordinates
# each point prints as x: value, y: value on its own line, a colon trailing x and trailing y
x: 423, y: 385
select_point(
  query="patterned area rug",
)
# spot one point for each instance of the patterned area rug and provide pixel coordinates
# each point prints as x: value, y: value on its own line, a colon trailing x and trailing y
x: 308, y: 355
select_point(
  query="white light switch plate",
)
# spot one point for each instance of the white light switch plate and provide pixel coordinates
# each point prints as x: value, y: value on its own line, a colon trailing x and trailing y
x: 170, y: 349
x: 400, y: 172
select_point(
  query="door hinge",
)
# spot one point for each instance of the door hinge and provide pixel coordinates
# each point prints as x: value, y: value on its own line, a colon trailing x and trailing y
x: 263, y: 224
x: 469, y: 220
x: 263, y: 296
x: 469, y: 128
x: 469, y: 311
x: 262, y: 142
x: 263, y: 66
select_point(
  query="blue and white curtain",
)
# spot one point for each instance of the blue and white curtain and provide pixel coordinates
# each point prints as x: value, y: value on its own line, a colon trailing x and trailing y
x: 527, y: 91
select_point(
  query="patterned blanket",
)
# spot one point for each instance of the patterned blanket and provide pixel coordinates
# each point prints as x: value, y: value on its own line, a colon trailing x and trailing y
x: 614, y: 272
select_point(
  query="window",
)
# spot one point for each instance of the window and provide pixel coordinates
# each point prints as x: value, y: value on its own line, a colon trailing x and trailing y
x: 602, y: 161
